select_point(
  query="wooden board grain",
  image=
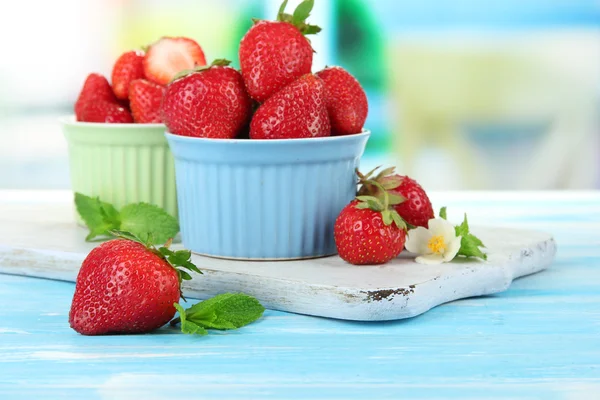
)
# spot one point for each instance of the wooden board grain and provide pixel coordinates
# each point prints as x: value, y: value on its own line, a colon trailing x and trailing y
x: 42, y: 241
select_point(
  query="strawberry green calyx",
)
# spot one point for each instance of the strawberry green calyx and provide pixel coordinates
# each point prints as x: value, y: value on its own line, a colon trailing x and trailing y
x: 180, y: 260
x: 384, y: 205
x: 299, y: 17
x: 385, y: 178
x: 219, y: 62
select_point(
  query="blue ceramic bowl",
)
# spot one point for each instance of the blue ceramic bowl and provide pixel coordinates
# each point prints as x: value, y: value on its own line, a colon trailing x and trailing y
x: 264, y: 199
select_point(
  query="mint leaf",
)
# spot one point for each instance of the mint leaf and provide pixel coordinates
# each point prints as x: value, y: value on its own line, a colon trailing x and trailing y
x: 149, y: 222
x: 225, y: 311
x: 98, y: 216
x: 443, y: 213
x: 188, y: 326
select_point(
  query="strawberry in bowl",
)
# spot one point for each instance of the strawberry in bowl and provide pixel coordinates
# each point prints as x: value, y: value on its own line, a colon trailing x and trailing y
x: 117, y: 148
x: 259, y: 172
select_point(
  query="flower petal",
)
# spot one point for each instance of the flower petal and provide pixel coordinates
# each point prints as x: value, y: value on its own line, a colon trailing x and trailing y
x: 439, y: 226
x: 430, y: 259
x: 452, y: 249
x: 417, y: 240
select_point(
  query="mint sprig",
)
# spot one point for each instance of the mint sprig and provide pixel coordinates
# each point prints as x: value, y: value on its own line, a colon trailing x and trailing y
x: 148, y: 222
x: 470, y: 245
x: 99, y: 217
x: 223, y: 312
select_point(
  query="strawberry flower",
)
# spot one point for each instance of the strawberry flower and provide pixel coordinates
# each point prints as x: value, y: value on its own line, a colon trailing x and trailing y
x: 436, y: 245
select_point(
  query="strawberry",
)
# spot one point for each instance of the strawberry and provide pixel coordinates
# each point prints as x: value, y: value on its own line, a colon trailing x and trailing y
x: 104, y: 112
x: 145, y: 99
x: 415, y: 209
x: 95, y: 88
x: 170, y: 55
x: 209, y: 102
x: 296, y: 111
x: 129, y: 67
x: 124, y: 286
x: 346, y: 101
x: 369, y: 232
x: 275, y: 53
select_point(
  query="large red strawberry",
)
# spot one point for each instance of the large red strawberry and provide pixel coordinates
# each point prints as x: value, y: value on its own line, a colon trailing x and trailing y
x: 128, y: 67
x: 416, y: 209
x: 275, y: 53
x: 210, y: 102
x: 369, y: 232
x: 125, y: 287
x: 145, y: 101
x: 346, y: 101
x: 170, y: 55
x: 95, y: 88
x: 296, y: 111
x: 104, y: 112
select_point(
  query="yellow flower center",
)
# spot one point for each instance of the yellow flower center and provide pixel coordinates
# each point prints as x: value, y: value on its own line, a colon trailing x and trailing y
x: 437, y: 244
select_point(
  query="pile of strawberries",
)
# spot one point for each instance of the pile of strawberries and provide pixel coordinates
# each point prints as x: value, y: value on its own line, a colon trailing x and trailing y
x: 273, y: 96
x: 372, y: 228
x: 139, y: 80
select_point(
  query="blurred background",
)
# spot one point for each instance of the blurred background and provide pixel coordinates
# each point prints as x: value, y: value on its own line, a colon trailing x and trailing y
x: 463, y: 94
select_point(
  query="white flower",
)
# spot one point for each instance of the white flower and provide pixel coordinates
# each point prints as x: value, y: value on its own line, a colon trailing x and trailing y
x: 435, y: 245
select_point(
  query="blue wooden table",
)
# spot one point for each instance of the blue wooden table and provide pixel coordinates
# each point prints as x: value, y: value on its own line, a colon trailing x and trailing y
x: 538, y: 340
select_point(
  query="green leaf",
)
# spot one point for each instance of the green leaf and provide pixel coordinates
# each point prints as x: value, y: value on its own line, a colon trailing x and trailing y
x: 368, y: 174
x: 469, y: 243
x: 400, y: 223
x: 391, y: 182
x: 188, y: 326
x: 184, y: 254
x: 166, y: 251
x: 219, y: 62
x: 231, y: 310
x: 462, y: 229
x: 99, y: 217
x: 373, y: 202
x: 395, y: 199
x: 148, y: 221
x: 282, y: 8
x: 469, y: 247
x: 443, y: 213
x: 302, y: 12
x: 184, y: 275
x: 386, y: 172
x: 311, y: 29
x: 126, y: 235
x: 366, y: 198
x: 386, y: 215
x: 362, y: 206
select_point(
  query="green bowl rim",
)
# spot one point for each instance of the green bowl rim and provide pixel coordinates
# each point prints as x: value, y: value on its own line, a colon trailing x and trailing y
x: 70, y: 120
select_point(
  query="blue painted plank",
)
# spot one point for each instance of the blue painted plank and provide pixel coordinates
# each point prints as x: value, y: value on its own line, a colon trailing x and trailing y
x: 540, y: 339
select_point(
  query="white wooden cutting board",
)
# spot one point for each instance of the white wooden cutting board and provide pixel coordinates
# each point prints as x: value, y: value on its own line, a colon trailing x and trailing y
x: 42, y: 240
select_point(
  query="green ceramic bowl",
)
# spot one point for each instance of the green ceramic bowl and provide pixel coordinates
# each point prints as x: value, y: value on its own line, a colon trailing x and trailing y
x: 121, y: 163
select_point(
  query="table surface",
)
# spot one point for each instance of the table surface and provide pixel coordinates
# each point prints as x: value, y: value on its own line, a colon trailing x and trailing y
x: 539, y: 339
